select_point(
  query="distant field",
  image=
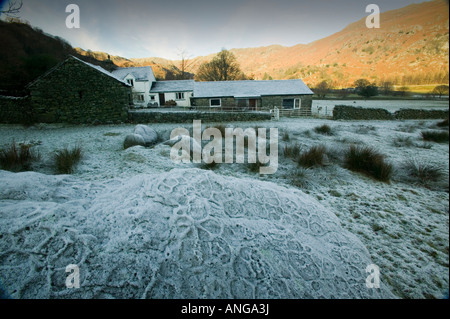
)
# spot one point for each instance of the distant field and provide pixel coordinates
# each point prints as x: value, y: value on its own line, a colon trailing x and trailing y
x: 419, y: 89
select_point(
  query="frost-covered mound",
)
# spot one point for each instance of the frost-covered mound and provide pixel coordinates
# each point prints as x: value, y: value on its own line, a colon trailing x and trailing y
x: 183, y: 234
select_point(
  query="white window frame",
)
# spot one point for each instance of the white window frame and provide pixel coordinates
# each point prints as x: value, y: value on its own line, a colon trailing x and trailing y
x: 130, y: 82
x: 297, y: 103
x: 220, y: 102
x: 152, y: 98
x: 179, y: 96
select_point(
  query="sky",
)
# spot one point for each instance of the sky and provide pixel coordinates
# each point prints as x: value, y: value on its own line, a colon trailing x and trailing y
x: 165, y: 28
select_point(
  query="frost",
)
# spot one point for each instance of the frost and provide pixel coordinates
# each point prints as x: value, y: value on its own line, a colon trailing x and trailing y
x: 187, y: 233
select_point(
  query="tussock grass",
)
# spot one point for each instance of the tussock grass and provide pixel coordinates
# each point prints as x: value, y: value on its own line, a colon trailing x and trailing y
x: 18, y: 158
x: 299, y: 177
x: 401, y: 141
x: 435, y: 136
x: 368, y: 161
x: 443, y: 123
x: 66, y: 159
x: 292, y: 151
x: 315, y: 156
x: 423, y: 172
x: 324, y: 130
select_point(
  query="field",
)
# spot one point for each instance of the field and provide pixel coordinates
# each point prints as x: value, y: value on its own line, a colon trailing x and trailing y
x: 120, y: 215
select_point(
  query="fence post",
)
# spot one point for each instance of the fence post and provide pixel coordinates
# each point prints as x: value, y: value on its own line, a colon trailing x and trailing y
x: 276, y: 113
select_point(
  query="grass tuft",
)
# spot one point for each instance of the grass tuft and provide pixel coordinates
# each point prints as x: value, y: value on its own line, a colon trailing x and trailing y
x: 368, y: 161
x: 315, y: 156
x: 435, y: 136
x: 324, y: 129
x: 423, y: 172
x: 18, y: 158
x: 66, y: 159
x: 292, y: 151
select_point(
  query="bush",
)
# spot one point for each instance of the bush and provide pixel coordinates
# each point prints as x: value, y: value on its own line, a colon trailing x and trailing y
x: 324, y: 129
x: 314, y: 157
x: 435, y: 136
x: 170, y: 103
x: 66, y: 159
x: 17, y: 159
x: 423, y: 172
x: 286, y: 137
x: 366, y: 160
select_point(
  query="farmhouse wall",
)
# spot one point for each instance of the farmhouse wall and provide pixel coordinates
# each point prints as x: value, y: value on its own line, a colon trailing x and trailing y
x: 77, y: 93
x: 15, y: 110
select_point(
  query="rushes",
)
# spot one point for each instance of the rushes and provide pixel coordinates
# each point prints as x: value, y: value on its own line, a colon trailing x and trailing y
x: 368, y: 161
x: 423, y: 172
x: 314, y: 157
x: 66, y: 159
x: 324, y: 129
x: 435, y: 136
x: 18, y: 159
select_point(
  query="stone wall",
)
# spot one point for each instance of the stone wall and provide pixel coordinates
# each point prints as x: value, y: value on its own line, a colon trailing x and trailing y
x: 345, y: 112
x: 410, y: 114
x: 15, y: 110
x: 77, y: 93
x: 147, y: 116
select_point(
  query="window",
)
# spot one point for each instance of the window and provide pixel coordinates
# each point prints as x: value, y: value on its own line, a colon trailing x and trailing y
x: 179, y: 96
x: 215, y: 102
x: 152, y: 97
x: 130, y: 81
x: 288, y: 103
x: 298, y: 103
x: 140, y: 97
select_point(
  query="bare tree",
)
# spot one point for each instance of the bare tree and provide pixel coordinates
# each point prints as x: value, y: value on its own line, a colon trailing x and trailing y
x: 13, y: 8
x: 186, y: 63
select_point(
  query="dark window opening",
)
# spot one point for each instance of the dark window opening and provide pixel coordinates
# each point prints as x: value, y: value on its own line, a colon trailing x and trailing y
x: 288, y: 103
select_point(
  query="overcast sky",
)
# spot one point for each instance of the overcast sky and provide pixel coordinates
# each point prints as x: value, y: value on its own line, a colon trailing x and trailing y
x: 162, y: 28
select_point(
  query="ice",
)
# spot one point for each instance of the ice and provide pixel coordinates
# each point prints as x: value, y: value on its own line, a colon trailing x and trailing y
x: 187, y: 233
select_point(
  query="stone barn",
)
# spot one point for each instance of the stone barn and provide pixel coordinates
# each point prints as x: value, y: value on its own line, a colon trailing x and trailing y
x: 76, y: 92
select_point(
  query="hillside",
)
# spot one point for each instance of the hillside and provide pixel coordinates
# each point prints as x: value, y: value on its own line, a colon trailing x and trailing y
x: 27, y: 52
x: 411, y: 47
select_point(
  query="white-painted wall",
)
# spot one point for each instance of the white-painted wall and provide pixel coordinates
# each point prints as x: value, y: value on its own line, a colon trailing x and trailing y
x: 185, y: 102
x: 140, y: 88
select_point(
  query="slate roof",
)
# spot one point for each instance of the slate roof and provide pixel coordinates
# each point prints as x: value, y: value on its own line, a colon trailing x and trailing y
x: 250, y: 89
x: 172, y: 86
x: 144, y: 73
x: 98, y: 68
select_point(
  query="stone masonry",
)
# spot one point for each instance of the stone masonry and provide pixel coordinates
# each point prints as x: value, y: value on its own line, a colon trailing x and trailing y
x: 75, y: 92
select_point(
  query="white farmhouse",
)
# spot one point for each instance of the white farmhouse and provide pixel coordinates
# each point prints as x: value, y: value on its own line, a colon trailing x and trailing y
x: 179, y: 91
x: 141, y: 79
